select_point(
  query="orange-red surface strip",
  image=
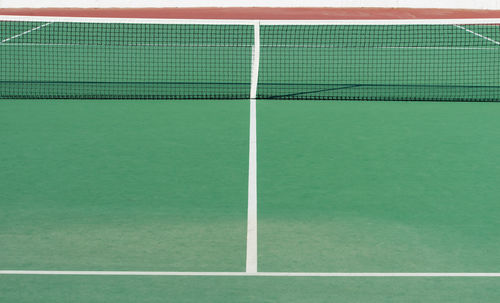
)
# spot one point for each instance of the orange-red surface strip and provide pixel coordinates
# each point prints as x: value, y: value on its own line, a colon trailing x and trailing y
x: 262, y: 13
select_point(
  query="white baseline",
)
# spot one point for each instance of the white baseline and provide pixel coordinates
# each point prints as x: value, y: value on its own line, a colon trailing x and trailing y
x: 244, y: 274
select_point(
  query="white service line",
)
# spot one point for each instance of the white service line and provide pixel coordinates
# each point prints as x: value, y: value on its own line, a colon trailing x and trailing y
x: 26, y: 32
x: 244, y: 274
x: 264, y: 45
x: 477, y: 34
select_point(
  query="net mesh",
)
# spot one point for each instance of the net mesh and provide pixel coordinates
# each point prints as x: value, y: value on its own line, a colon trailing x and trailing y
x: 374, y: 62
x: 99, y: 60
x: 438, y: 62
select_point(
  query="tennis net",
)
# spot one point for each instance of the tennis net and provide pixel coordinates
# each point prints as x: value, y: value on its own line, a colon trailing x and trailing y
x: 434, y: 60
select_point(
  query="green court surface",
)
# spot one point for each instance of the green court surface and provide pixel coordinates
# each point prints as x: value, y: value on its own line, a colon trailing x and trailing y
x: 378, y: 186
x: 57, y: 289
x: 354, y: 187
x: 125, y: 185
x: 97, y: 183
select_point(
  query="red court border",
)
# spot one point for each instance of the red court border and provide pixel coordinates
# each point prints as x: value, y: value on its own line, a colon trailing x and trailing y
x: 261, y: 13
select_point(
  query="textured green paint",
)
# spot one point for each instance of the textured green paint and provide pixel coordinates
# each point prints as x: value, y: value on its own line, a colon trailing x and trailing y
x: 378, y: 186
x: 54, y: 289
x: 123, y: 185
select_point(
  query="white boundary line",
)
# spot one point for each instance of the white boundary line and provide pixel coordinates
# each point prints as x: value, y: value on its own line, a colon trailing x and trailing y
x: 477, y: 34
x: 251, y: 257
x: 249, y: 22
x: 26, y: 32
x: 242, y: 274
x: 137, y: 44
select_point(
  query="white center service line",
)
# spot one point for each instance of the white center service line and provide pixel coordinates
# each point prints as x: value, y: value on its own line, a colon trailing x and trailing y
x: 26, y: 32
x: 251, y: 257
x: 477, y: 34
x: 242, y: 274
